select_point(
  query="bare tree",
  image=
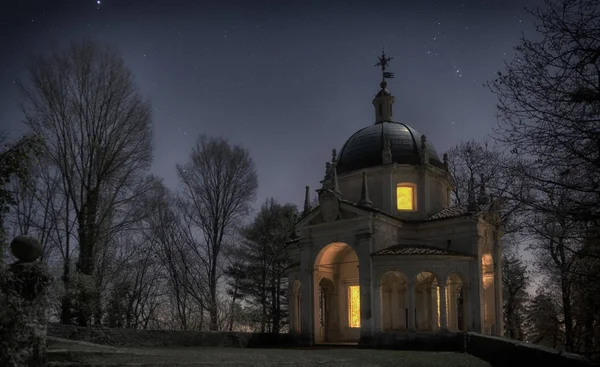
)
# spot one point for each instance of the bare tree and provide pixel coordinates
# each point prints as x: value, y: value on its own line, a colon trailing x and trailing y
x: 219, y: 183
x: 515, y: 280
x: 549, y: 104
x: 549, y: 118
x: 481, y: 171
x: 187, y: 290
x: 97, y: 132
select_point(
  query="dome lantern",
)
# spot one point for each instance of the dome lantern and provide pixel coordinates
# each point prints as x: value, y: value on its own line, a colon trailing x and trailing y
x: 383, y: 100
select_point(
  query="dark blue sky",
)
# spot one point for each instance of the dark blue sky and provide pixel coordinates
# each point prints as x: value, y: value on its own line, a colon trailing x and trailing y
x: 289, y: 80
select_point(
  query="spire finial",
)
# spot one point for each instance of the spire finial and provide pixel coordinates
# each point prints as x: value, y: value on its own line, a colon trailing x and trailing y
x: 472, y: 202
x: 483, y: 198
x: 307, y: 200
x: 446, y: 161
x: 336, y: 186
x: 383, y: 62
x: 327, y: 170
x: 364, y: 195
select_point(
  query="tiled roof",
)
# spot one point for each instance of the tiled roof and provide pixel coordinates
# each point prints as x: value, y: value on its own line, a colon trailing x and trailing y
x: 455, y: 211
x: 416, y: 250
x: 447, y: 213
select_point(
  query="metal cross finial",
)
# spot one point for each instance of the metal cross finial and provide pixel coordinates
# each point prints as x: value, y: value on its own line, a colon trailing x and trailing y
x: 383, y: 63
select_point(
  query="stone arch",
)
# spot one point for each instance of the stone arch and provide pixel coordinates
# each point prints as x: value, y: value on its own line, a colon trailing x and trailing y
x: 394, y: 291
x: 413, y: 277
x: 337, y: 296
x: 326, y: 250
x: 456, y: 301
x: 457, y: 272
x: 295, y: 307
x: 426, y: 300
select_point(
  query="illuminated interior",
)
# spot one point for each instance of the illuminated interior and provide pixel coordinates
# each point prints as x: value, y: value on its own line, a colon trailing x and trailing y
x: 405, y: 197
x: 439, y: 313
x: 354, y: 306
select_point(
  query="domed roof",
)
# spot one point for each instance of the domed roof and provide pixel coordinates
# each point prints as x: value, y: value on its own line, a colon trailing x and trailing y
x: 364, y: 149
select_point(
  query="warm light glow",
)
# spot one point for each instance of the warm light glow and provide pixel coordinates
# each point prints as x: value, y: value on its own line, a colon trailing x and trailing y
x: 405, y: 197
x: 354, y: 306
x: 439, y: 312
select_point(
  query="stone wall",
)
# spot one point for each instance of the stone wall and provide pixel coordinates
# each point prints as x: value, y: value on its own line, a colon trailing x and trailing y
x: 168, y: 338
x: 500, y: 352
x: 447, y: 341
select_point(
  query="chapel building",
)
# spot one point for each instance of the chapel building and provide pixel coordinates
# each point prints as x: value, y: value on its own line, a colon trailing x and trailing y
x: 385, y: 251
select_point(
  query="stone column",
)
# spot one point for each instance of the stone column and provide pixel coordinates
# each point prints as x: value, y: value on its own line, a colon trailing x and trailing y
x: 498, y: 309
x: 307, y: 307
x: 292, y: 309
x: 476, y: 302
x: 467, y: 322
x: 377, y: 309
x: 411, y: 306
x: 433, y: 308
x: 363, y: 250
x: 443, y: 316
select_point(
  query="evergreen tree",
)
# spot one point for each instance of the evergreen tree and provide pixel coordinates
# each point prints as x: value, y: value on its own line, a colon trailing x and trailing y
x: 257, y: 272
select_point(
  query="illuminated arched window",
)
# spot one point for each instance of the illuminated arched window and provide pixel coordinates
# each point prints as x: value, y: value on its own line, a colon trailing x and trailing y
x: 354, y: 306
x: 406, y: 194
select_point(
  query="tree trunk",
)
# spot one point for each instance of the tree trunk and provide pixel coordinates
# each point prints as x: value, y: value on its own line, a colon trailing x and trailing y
x: 213, y: 311
x: 232, y: 309
x: 65, y: 307
x: 567, y: 313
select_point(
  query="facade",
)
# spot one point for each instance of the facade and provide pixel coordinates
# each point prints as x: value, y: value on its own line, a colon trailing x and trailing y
x: 385, y: 252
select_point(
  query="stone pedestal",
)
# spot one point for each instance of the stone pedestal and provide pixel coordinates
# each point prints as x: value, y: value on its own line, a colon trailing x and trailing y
x: 23, y: 307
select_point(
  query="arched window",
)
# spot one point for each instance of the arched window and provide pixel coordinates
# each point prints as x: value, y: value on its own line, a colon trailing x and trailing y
x: 406, y: 194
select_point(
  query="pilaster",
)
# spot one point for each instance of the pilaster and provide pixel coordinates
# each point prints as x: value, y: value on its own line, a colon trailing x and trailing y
x: 307, y: 329
x: 411, y: 306
x: 497, y: 261
x: 443, y: 308
x: 365, y: 272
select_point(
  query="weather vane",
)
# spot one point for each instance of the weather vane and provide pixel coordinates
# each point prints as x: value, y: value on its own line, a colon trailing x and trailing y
x: 383, y: 63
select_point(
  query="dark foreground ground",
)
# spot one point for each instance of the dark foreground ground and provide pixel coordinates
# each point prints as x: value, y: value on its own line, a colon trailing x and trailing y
x: 64, y: 352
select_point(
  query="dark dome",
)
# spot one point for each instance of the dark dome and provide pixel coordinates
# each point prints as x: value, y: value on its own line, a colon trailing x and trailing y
x: 364, y: 148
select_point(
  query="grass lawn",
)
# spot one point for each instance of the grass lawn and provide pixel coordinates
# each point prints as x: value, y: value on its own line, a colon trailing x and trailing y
x: 209, y: 356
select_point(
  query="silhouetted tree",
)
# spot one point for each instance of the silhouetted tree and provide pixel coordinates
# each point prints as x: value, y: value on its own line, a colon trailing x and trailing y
x: 261, y: 261
x: 16, y: 160
x: 515, y: 280
x: 97, y: 131
x: 219, y: 183
x: 544, y: 325
x: 549, y: 119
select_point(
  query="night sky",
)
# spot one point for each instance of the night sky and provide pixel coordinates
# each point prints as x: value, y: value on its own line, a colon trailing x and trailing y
x: 289, y: 80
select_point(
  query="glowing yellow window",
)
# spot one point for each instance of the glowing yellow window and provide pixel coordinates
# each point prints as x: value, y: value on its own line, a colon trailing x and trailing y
x: 405, y: 197
x: 354, y: 306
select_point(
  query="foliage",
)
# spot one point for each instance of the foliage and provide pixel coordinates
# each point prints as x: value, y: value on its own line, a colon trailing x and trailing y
x: 257, y: 271
x: 15, y: 163
x: 543, y: 321
x: 23, y: 314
